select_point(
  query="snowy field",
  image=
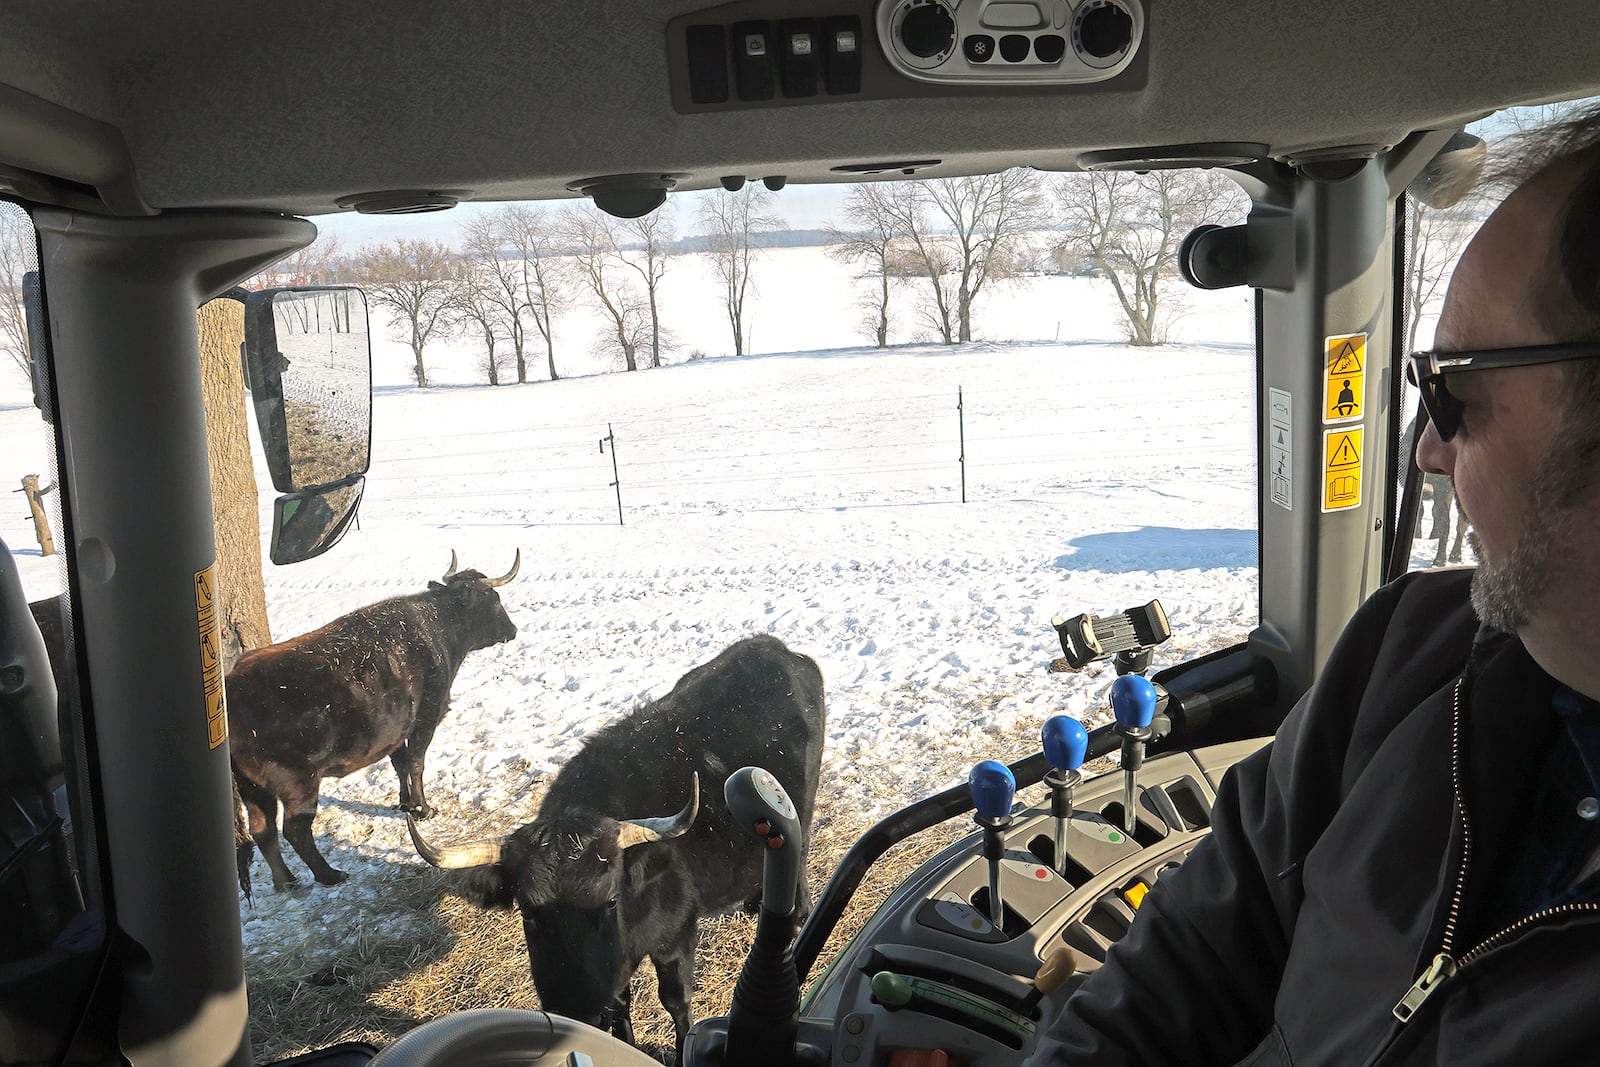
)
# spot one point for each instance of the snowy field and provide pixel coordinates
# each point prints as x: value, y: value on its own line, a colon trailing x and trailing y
x: 811, y: 491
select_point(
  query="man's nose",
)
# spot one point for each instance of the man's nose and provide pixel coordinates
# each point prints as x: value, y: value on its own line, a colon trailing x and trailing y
x: 1433, y: 455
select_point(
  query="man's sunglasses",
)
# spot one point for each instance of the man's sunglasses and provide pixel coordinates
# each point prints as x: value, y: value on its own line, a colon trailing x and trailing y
x: 1429, y: 372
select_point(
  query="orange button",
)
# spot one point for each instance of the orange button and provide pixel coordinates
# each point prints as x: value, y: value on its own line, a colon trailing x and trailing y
x: 919, y: 1057
x: 1135, y: 894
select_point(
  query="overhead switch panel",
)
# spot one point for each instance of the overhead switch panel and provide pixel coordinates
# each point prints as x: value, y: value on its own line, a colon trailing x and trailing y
x: 1010, y: 42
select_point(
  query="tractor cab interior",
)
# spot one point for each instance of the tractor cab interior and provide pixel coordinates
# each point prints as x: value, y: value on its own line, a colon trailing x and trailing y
x: 157, y: 157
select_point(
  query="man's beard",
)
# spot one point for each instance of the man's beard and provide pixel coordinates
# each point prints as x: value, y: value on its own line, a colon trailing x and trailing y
x: 1506, y: 592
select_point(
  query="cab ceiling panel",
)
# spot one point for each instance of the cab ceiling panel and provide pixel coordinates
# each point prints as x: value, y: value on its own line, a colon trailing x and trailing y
x: 295, y: 104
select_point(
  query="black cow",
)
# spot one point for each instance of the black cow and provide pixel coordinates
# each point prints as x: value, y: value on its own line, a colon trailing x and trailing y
x: 370, y: 684
x: 599, y: 891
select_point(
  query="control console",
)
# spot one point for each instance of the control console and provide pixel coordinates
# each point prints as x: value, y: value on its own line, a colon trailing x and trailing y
x: 936, y: 970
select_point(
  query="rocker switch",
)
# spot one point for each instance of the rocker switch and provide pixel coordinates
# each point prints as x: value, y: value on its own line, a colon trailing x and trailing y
x: 841, y: 54
x: 800, y: 59
x: 753, y: 60
x: 708, y: 64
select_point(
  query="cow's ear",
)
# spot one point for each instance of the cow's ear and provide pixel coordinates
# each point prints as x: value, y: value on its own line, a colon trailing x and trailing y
x: 435, y: 585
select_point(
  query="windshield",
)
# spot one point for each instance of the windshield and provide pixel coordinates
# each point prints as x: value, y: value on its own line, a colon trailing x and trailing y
x: 886, y: 424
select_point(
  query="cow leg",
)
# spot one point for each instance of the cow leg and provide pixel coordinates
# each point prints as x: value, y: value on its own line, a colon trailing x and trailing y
x: 1461, y: 533
x: 261, y: 810
x: 622, y: 1012
x: 1442, y: 499
x: 299, y: 808
x: 401, y: 758
x: 675, y: 981
x: 408, y: 760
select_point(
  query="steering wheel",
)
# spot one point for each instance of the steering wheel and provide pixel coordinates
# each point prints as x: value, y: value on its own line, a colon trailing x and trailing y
x: 502, y: 1037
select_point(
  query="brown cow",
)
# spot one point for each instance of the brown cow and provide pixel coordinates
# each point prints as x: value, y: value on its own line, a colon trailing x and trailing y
x: 370, y: 684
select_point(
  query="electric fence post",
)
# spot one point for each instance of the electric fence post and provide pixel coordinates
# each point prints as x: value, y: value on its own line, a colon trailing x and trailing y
x: 961, y: 429
x: 616, y: 477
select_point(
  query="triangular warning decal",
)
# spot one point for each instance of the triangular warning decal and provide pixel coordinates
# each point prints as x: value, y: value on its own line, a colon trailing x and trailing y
x: 1348, y: 361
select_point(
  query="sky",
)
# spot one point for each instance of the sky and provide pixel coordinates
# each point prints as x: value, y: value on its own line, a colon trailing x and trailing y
x: 811, y: 490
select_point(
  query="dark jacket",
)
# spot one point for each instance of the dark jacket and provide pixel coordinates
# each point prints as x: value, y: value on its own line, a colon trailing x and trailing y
x: 1329, y: 881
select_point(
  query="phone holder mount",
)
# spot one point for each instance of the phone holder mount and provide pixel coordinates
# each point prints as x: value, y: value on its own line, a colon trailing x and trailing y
x: 1128, y: 638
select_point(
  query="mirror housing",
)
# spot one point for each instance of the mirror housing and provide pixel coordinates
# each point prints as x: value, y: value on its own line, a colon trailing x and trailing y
x: 308, y: 363
x: 308, y: 523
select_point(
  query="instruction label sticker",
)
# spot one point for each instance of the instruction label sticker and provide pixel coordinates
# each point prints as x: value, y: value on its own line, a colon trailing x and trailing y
x: 1341, y: 468
x: 1280, y: 447
x: 205, y: 610
x: 1344, y: 386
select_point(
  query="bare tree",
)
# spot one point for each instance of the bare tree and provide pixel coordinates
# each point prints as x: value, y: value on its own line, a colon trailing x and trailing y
x: 649, y: 238
x: 869, y: 239
x: 989, y: 217
x: 494, y: 279
x: 322, y: 262
x: 476, y: 307
x: 415, y: 280
x: 18, y: 254
x: 1435, y: 239
x: 1129, y: 227
x: 546, y: 281
x: 593, y: 238
x: 732, y: 220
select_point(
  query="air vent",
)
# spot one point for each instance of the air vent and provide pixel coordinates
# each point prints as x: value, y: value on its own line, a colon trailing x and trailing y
x: 1010, y: 42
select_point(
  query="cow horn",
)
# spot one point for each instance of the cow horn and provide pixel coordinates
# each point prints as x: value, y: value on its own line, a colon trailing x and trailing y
x: 641, y: 831
x: 453, y: 857
x: 452, y: 569
x: 512, y: 573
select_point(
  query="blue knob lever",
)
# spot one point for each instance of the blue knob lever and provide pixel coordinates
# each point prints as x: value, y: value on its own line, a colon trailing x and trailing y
x: 1133, y: 699
x: 1065, y: 742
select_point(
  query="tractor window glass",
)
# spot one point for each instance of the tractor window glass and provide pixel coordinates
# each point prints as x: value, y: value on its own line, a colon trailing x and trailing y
x: 890, y: 429
x: 1441, y: 534
x: 49, y: 876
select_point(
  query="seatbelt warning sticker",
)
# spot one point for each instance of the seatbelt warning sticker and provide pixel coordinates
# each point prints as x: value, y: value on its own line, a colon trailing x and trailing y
x: 1344, y: 385
x: 1341, y: 468
x: 205, y: 609
x: 1280, y: 447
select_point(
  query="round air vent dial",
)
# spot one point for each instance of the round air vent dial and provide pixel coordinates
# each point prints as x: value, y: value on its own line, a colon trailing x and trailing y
x: 925, y: 32
x: 1102, y: 32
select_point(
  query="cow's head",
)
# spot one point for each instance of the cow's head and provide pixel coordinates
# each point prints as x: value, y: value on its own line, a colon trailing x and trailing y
x: 566, y: 873
x: 470, y: 602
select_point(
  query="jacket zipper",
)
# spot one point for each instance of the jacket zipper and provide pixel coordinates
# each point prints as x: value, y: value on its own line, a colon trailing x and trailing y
x: 1445, y: 966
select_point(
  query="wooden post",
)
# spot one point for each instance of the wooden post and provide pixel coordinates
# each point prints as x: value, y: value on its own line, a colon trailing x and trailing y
x: 41, y: 522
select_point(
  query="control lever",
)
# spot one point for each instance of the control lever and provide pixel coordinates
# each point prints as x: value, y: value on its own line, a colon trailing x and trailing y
x: 1053, y: 973
x: 993, y: 788
x: 1133, y: 700
x: 1065, y: 742
x: 764, y: 1016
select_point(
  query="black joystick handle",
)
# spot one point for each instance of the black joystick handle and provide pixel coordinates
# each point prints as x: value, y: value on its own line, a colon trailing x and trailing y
x: 758, y: 803
x: 764, y: 1016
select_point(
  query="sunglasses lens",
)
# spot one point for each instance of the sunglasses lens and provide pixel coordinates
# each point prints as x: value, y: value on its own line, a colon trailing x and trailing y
x: 1443, y: 409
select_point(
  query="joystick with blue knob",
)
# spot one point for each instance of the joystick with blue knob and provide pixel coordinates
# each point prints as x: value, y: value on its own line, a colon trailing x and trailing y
x: 1133, y: 699
x: 1065, y: 744
x: 993, y: 788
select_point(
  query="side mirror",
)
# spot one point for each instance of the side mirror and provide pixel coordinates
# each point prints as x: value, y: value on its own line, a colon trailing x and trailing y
x: 308, y: 363
x: 308, y: 523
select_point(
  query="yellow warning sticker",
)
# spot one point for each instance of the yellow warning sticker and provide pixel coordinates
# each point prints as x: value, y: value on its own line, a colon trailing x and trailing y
x: 1341, y: 468
x: 205, y: 609
x: 1344, y: 386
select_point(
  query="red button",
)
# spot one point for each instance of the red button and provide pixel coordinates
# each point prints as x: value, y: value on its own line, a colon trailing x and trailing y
x: 775, y: 841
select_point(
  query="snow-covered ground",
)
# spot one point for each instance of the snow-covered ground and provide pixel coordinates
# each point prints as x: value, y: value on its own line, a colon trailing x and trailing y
x: 812, y: 491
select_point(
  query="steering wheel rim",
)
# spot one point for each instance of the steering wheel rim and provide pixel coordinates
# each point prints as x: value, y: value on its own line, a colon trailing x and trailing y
x: 491, y: 1037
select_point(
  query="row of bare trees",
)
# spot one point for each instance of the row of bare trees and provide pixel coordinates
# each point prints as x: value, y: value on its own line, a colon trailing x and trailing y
x: 525, y: 264
x: 958, y: 235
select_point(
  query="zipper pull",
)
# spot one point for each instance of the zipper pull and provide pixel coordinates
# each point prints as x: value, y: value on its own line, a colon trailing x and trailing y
x: 1441, y: 968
